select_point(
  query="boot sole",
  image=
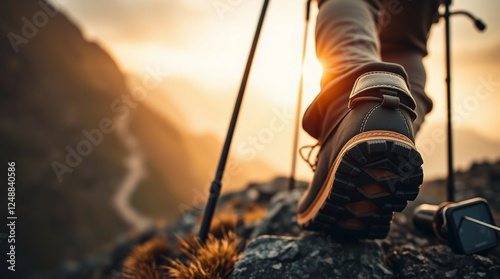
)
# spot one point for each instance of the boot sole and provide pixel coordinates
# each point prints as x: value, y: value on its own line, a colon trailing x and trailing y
x: 374, y: 175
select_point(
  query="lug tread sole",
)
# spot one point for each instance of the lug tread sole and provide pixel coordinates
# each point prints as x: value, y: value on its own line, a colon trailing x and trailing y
x: 373, y: 179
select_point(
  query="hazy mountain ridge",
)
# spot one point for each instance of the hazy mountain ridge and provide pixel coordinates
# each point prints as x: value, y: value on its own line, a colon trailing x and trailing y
x: 51, y: 92
x: 184, y: 162
x: 469, y: 146
x: 54, y: 86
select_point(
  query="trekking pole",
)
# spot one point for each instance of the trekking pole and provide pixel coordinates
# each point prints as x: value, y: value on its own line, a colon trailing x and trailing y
x: 450, y: 190
x: 216, y: 185
x: 295, y: 144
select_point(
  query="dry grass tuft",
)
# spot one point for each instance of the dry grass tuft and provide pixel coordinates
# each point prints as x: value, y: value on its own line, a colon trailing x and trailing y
x: 223, y: 223
x: 143, y: 262
x: 215, y: 259
x: 189, y: 244
x: 226, y: 221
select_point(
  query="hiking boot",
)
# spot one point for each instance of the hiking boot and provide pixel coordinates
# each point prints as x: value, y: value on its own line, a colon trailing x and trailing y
x: 367, y: 166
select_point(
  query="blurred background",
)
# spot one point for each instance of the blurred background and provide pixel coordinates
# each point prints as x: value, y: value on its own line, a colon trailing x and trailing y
x: 115, y: 111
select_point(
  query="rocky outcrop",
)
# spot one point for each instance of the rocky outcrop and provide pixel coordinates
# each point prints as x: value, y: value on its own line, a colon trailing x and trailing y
x: 277, y: 248
x: 405, y: 253
x: 310, y: 256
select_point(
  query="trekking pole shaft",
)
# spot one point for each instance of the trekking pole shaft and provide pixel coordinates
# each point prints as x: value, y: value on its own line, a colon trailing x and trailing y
x: 295, y: 144
x: 216, y: 185
x: 451, y: 181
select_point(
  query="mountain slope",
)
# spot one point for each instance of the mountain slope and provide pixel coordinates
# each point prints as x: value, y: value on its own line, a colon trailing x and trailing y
x: 52, y: 88
x: 469, y: 147
x: 61, y: 98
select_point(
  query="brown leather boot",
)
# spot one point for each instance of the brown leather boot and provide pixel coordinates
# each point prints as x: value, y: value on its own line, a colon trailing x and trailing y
x: 367, y: 166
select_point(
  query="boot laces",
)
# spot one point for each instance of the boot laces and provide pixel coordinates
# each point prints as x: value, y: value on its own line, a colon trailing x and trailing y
x: 309, y: 157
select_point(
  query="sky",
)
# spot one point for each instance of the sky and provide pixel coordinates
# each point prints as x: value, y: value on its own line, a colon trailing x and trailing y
x: 203, y: 46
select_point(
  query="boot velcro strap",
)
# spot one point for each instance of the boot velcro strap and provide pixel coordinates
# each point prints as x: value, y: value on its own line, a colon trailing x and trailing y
x: 386, y: 80
x: 389, y: 99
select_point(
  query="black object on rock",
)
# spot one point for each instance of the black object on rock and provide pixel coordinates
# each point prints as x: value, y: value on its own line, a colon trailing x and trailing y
x: 467, y: 227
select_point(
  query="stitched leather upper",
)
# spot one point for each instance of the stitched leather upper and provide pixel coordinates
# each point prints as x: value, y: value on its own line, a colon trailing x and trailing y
x: 379, y: 101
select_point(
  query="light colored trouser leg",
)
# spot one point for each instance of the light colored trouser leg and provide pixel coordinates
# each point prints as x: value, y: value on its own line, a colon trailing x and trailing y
x: 346, y: 36
x: 347, y: 42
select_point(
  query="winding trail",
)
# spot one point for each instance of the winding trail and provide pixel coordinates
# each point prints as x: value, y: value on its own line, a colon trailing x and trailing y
x: 135, y: 172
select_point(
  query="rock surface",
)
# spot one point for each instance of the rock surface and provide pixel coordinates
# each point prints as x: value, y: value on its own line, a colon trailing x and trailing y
x: 278, y: 248
x: 311, y: 256
x: 405, y: 253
